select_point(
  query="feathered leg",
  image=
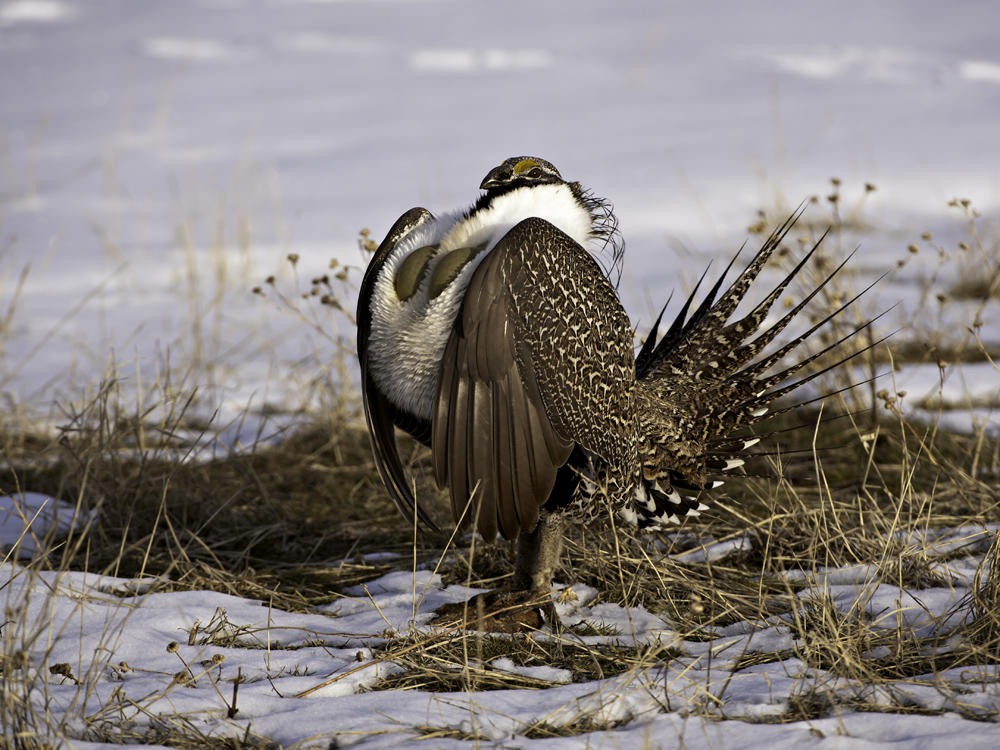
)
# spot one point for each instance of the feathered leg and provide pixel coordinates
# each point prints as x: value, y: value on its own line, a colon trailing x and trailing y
x: 538, y: 554
x: 527, y: 604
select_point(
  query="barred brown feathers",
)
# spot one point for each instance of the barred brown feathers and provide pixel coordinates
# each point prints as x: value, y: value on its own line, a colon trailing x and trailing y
x: 526, y: 386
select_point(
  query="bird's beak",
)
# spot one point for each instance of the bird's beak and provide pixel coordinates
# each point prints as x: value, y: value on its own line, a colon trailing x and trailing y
x: 493, y: 179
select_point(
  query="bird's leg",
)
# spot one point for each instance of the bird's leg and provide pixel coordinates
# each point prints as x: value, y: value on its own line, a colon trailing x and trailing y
x: 527, y: 604
x: 538, y: 555
x: 535, y: 563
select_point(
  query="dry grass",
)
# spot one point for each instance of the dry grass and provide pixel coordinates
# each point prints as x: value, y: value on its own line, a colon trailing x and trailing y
x: 278, y: 519
x: 462, y: 661
x: 291, y: 518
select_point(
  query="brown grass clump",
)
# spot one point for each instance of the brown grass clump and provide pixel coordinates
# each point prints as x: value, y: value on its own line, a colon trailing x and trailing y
x: 290, y: 519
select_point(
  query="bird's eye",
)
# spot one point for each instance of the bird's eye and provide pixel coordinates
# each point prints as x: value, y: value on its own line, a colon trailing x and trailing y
x: 535, y: 172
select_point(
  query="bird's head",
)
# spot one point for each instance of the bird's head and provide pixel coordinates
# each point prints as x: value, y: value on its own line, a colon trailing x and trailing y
x: 521, y: 171
x: 529, y: 171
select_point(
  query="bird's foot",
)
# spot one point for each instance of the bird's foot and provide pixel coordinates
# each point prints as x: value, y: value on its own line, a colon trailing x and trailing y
x: 501, y: 611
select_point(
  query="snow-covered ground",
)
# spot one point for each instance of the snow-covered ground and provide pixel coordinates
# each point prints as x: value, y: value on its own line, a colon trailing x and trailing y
x: 158, y: 160
x: 105, y: 655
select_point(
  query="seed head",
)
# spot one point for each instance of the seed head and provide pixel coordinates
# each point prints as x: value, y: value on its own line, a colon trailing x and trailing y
x: 695, y: 604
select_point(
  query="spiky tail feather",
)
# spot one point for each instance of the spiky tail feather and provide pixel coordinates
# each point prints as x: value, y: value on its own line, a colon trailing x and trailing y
x: 707, y: 378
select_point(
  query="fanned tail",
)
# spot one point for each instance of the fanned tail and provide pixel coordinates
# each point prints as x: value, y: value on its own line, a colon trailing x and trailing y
x: 708, y: 377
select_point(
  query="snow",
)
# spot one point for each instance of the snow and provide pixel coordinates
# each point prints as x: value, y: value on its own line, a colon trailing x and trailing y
x: 715, y: 550
x: 944, y: 541
x: 470, y: 60
x: 158, y: 160
x: 34, y: 11
x: 187, y: 48
x: 126, y: 650
x: 27, y: 517
x: 980, y: 70
x: 547, y: 674
x: 168, y: 156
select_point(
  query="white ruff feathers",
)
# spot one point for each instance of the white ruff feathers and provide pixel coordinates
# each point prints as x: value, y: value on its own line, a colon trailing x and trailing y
x: 407, y: 339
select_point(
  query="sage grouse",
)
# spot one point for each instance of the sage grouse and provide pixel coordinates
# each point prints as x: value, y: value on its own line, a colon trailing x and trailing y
x: 494, y: 337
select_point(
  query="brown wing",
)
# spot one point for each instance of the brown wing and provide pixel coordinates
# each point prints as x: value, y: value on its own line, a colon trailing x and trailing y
x: 379, y: 412
x: 540, y: 359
